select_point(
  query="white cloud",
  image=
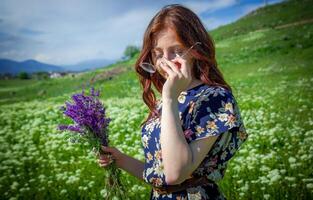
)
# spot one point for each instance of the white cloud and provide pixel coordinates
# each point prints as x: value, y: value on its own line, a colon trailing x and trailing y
x: 209, y: 6
x: 213, y: 22
x: 74, y: 30
x: 105, y: 39
x: 42, y: 57
x: 67, y: 32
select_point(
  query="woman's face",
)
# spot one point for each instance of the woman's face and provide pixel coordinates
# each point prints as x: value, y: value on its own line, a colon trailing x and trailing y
x: 167, y: 46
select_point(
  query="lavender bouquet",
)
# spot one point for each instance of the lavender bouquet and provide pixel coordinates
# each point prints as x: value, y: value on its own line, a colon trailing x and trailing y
x: 91, y: 126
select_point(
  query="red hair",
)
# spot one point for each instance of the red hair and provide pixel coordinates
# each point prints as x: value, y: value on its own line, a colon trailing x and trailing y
x: 189, y: 29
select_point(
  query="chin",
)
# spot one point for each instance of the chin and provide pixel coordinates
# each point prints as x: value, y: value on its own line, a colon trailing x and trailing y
x: 163, y: 73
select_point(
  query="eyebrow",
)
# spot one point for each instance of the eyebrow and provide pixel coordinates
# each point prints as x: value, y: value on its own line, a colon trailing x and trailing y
x: 171, y: 47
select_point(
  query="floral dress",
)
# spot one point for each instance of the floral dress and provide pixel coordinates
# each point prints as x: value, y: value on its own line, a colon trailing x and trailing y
x: 204, y: 111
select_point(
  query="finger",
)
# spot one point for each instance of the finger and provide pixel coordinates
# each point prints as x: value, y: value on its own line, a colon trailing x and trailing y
x: 185, y: 69
x: 103, y: 161
x: 105, y: 156
x: 107, y: 149
x: 167, y: 69
x: 103, y: 165
x: 172, y: 66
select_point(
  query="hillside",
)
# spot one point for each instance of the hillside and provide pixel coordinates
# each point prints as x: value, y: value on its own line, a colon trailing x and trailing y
x: 271, y: 16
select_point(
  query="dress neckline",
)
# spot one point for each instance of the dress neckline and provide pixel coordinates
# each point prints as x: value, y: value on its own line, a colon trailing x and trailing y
x: 195, y: 88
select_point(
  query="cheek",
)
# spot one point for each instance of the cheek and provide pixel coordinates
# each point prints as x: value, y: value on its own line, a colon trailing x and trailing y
x: 190, y: 64
x: 161, y: 71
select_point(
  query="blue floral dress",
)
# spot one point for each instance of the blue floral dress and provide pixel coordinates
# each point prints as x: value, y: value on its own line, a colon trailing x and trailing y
x: 204, y: 111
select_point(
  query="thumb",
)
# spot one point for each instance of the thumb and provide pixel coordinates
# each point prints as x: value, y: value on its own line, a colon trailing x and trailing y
x: 107, y: 149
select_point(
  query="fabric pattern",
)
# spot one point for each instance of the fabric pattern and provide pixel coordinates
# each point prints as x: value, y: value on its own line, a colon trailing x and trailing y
x: 204, y: 111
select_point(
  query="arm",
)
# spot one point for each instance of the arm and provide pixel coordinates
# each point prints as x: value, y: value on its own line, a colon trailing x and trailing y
x: 179, y: 158
x: 132, y: 166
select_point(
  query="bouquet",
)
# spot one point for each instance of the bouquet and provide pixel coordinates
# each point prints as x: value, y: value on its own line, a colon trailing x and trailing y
x: 91, y: 126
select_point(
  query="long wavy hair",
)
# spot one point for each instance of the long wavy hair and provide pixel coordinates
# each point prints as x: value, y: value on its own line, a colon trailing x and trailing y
x: 189, y: 29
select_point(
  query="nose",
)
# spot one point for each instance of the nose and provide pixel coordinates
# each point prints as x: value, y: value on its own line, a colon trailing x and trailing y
x: 169, y: 55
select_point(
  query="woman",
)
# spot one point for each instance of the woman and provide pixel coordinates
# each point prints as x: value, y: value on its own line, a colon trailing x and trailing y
x: 195, y: 128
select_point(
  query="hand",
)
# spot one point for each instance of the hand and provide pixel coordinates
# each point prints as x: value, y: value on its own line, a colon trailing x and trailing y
x: 179, y: 77
x: 109, y: 155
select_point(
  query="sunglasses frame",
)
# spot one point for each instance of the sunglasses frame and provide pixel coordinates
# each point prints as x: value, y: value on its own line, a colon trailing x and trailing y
x: 148, y: 67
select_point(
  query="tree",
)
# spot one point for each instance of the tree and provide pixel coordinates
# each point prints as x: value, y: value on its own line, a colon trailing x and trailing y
x: 23, y: 75
x: 130, y: 51
x: 40, y: 75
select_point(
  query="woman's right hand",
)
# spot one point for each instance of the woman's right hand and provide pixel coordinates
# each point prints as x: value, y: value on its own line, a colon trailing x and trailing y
x: 109, y: 155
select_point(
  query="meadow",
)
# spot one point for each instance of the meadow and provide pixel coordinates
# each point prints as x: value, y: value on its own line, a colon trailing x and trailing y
x: 270, y: 70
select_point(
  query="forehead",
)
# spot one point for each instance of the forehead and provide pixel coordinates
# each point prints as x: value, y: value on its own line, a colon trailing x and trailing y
x: 165, y: 39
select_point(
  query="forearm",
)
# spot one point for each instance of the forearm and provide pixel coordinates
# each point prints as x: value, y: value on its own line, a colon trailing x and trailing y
x: 176, y: 153
x: 132, y: 166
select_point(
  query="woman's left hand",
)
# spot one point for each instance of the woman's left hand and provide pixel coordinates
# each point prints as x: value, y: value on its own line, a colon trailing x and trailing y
x: 178, y: 77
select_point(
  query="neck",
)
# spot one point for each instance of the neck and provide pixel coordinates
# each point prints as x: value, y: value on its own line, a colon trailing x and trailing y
x: 194, y: 83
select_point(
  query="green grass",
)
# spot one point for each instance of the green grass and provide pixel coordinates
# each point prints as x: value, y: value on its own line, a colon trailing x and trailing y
x: 267, y: 17
x: 16, y: 90
x: 270, y: 71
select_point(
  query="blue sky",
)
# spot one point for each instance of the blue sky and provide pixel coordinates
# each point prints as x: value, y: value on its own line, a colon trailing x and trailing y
x: 66, y: 32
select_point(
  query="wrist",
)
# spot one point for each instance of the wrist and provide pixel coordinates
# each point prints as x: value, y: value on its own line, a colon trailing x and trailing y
x: 121, y: 161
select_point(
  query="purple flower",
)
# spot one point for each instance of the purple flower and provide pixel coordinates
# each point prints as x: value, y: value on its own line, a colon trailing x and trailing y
x: 90, y: 122
x: 88, y: 114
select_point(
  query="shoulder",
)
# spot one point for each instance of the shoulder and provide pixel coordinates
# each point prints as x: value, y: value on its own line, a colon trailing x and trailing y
x: 214, y: 96
x: 216, y: 91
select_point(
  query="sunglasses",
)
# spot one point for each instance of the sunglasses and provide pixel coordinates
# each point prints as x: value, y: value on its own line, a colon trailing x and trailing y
x: 148, y: 67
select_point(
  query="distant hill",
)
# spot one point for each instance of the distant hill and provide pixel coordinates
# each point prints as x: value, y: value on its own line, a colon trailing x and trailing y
x: 89, y: 65
x: 31, y: 66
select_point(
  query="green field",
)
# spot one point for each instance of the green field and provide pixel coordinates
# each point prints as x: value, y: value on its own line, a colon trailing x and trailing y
x: 269, y: 67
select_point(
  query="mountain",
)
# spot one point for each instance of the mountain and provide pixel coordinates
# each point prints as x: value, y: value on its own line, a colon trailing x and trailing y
x: 88, y: 65
x: 29, y: 66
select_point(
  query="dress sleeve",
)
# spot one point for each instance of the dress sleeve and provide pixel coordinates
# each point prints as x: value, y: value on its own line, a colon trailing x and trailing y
x: 214, y: 112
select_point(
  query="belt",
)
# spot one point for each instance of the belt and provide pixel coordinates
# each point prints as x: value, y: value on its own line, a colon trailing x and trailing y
x: 192, y: 182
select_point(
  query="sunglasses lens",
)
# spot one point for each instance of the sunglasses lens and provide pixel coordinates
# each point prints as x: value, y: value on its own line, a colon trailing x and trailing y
x: 148, y: 67
x: 180, y: 54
